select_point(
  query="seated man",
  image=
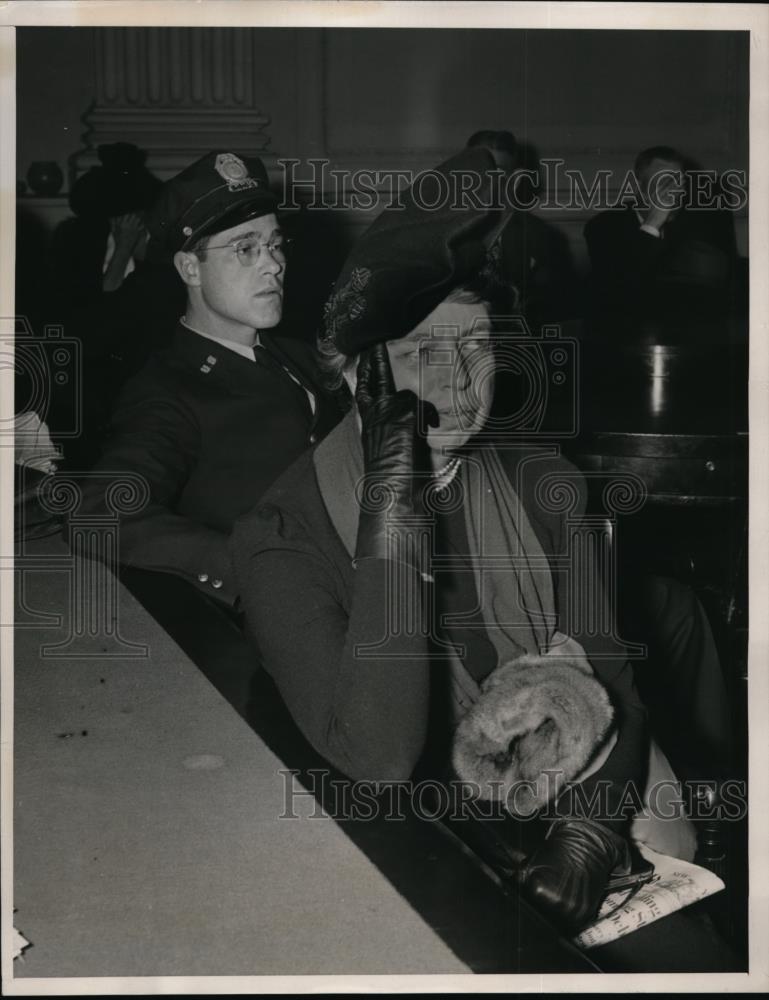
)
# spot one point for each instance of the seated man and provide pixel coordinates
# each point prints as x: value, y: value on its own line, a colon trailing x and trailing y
x: 209, y: 423
x: 406, y: 580
x: 663, y: 256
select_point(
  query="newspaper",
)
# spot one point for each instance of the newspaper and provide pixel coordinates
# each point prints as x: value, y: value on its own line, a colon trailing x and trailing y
x: 675, y: 884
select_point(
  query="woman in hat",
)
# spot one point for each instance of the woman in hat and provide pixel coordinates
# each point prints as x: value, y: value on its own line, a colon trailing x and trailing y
x: 410, y: 583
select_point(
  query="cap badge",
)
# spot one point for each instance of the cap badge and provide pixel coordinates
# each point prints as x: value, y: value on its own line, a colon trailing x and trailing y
x: 234, y: 171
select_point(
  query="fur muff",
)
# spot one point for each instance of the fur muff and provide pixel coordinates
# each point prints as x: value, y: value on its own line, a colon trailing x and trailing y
x: 538, y: 722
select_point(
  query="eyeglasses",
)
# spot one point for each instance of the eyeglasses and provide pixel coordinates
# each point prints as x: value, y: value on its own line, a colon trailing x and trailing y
x: 249, y: 250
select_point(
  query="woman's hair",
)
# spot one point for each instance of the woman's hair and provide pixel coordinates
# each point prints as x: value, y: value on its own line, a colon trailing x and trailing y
x: 483, y: 289
x: 332, y: 362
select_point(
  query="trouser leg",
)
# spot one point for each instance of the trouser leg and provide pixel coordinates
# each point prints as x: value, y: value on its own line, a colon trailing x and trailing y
x: 681, y: 680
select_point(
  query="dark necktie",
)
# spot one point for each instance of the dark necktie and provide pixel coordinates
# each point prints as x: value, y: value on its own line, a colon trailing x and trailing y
x: 264, y: 358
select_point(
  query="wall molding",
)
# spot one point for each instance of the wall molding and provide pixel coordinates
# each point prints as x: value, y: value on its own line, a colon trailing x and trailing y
x: 175, y: 92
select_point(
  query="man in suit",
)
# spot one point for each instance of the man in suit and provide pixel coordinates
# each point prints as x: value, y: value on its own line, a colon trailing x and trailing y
x: 211, y: 421
x: 663, y: 258
x: 662, y: 268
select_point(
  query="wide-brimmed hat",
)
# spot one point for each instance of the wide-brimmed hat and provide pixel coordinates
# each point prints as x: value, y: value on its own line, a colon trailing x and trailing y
x: 434, y: 237
x: 217, y: 192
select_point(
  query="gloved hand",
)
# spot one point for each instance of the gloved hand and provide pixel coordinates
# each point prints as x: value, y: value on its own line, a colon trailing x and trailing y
x: 390, y: 422
x: 567, y: 876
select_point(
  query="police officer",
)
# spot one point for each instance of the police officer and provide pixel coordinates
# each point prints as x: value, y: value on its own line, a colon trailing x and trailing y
x: 210, y: 422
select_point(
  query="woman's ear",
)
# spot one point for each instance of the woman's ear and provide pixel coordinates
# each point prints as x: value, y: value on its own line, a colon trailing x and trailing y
x: 188, y: 266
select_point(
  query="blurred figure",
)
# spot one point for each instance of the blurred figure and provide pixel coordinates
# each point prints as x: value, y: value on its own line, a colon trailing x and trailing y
x: 502, y: 145
x: 113, y: 291
x: 661, y: 257
x: 535, y: 257
x: 100, y: 247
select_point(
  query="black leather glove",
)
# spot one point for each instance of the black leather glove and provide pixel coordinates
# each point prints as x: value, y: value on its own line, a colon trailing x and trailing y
x: 567, y: 877
x: 390, y: 422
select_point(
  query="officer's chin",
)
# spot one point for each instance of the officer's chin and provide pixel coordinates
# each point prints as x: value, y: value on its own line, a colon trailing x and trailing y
x: 269, y: 313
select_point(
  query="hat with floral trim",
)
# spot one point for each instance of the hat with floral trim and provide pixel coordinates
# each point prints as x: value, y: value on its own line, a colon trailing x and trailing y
x: 437, y: 235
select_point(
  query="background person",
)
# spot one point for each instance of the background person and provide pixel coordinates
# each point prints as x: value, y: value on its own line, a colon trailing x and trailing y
x: 109, y: 290
x: 664, y: 258
x: 97, y: 249
x: 535, y: 259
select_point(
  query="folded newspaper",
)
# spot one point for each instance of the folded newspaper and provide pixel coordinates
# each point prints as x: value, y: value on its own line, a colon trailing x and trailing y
x: 675, y: 884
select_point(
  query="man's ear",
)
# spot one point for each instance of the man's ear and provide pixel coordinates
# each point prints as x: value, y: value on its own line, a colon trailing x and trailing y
x: 188, y: 266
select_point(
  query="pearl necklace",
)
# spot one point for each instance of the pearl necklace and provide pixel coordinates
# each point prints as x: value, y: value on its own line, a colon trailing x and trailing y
x: 445, y: 476
x: 442, y: 479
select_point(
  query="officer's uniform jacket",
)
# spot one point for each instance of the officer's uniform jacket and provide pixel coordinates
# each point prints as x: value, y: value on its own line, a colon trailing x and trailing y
x: 208, y: 430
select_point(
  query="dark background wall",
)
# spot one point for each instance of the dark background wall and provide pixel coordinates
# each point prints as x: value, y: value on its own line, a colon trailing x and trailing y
x: 394, y: 98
